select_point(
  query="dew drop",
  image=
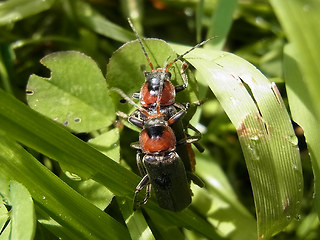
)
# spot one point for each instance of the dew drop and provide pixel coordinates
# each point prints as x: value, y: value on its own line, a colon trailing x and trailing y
x: 254, y: 152
x: 234, y: 101
x: 295, y: 167
x: 43, y: 197
x: 66, y: 123
x: 254, y: 138
x: 288, y: 217
x: 292, y: 139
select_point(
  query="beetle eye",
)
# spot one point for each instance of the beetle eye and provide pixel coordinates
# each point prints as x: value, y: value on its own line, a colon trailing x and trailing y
x: 147, y: 74
x: 168, y: 75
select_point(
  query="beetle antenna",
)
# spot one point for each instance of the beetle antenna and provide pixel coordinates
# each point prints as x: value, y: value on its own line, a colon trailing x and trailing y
x: 140, y: 41
x: 128, y: 99
x: 158, y: 103
x: 191, y: 49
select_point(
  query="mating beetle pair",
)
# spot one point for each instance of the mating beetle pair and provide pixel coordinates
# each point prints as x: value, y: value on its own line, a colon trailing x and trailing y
x: 163, y: 138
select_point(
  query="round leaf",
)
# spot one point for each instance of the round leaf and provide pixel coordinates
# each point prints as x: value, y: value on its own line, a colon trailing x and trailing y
x: 75, y: 94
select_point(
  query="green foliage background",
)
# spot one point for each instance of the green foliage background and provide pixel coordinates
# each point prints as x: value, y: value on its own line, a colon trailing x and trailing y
x: 38, y: 157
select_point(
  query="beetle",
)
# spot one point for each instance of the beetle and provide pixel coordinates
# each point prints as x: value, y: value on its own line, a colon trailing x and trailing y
x: 158, y: 84
x: 161, y: 166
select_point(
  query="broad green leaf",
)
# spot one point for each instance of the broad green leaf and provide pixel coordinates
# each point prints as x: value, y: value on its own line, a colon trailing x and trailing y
x: 47, y: 137
x: 80, y: 218
x: 256, y: 109
x: 5, y: 235
x: 75, y: 95
x: 94, y: 192
x: 4, y: 214
x: 15, y: 10
x: 19, y: 121
x: 108, y: 144
x: 22, y: 213
x: 21, y: 217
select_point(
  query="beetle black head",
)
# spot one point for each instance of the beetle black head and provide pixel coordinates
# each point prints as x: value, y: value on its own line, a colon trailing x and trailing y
x: 155, y: 78
x: 155, y: 122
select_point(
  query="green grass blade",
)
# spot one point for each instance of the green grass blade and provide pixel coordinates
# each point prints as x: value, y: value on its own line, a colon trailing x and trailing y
x: 221, y: 22
x: 300, y: 20
x: 53, y: 196
x: 99, y: 24
x: 220, y: 203
x: 302, y: 69
x: 14, y: 10
x: 199, y: 18
x: 45, y: 136
x: 255, y: 107
x: 136, y: 222
x: 301, y: 109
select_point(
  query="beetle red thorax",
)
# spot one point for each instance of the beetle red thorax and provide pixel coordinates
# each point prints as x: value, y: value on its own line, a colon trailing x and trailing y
x: 157, y: 137
x: 150, y: 89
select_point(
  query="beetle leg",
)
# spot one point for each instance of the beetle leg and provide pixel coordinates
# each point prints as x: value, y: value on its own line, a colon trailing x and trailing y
x: 179, y: 115
x: 135, y: 120
x: 184, y: 77
x: 136, y: 95
x: 140, y: 165
x: 195, y: 179
x: 135, y: 145
x: 187, y: 140
x: 193, y: 139
x: 145, y: 182
x: 197, y: 135
x: 148, y: 194
x: 182, y: 106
